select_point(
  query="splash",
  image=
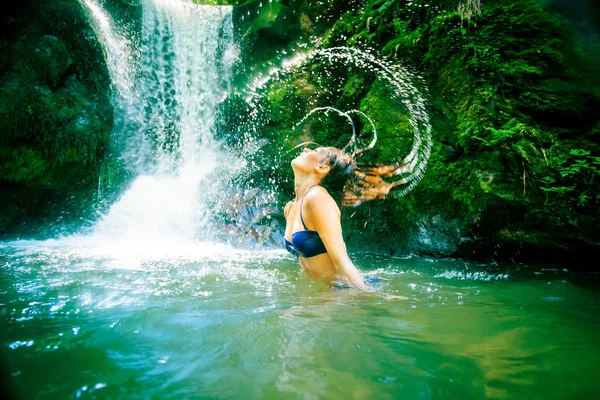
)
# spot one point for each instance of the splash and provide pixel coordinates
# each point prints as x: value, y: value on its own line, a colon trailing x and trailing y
x: 352, y: 143
x: 330, y: 64
x: 166, y: 135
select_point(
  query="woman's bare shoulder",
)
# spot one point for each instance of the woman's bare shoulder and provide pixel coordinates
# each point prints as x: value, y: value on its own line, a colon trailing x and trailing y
x: 318, y: 193
x: 319, y: 198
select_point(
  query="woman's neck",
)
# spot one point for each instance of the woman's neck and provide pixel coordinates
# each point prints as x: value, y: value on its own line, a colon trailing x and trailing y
x: 302, y: 184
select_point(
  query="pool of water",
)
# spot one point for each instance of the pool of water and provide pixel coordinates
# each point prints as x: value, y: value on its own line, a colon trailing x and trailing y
x: 208, y: 321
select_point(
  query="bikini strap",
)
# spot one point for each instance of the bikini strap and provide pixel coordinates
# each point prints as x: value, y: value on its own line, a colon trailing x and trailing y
x: 301, y: 203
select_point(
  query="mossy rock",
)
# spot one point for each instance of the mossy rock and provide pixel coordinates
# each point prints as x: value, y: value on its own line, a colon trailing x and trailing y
x: 55, y: 114
x: 51, y: 60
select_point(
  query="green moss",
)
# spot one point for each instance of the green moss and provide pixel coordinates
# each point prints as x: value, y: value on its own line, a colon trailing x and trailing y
x: 512, y: 96
x: 267, y: 16
x: 22, y: 164
x: 55, y: 114
x: 392, y: 122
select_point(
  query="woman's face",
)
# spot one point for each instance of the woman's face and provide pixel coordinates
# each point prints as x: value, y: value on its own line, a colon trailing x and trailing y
x: 309, y: 158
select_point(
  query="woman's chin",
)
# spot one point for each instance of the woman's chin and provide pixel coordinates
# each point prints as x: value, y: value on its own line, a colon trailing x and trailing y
x: 298, y: 165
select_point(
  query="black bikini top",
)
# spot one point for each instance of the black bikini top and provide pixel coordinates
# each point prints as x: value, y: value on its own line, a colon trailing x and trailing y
x: 305, y: 243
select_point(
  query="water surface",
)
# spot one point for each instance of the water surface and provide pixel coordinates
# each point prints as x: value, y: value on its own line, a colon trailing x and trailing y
x: 207, y: 321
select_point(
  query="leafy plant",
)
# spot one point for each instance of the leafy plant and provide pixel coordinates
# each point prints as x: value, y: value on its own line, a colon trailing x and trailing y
x: 584, y: 164
x: 558, y: 191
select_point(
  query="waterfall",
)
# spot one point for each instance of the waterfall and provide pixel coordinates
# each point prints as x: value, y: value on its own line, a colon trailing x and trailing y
x: 165, y: 118
x: 121, y: 53
x: 186, y: 70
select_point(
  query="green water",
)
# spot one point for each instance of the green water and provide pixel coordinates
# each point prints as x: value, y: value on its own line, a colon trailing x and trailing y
x: 84, y: 323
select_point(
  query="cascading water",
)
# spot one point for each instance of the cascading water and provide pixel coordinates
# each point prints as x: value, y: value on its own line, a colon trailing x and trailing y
x: 168, y: 120
x: 121, y: 54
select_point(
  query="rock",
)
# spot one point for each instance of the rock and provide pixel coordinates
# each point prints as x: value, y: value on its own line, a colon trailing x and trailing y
x: 51, y: 60
x: 436, y: 235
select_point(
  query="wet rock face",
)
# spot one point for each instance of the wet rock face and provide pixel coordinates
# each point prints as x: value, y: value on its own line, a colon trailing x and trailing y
x: 436, y: 235
x: 55, y: 115
x: 51, y: 60
x: 251, y: 219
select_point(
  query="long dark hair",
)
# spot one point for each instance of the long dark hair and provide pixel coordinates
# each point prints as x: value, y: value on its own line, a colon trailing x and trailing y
x: 351, y: 184
x: 341, y: 171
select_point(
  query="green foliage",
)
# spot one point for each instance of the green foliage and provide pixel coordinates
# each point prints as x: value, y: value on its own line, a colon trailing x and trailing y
x: 584, y: 163
x: 557, y: 191
x: 393, y: 125
x: 512, y: 95
x: 577, y: 173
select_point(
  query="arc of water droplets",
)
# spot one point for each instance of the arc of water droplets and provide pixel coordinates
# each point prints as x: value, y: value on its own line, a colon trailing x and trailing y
x: 421, y: 148
x: 353, y: 140
x: 346, y: 114
x: 327, y: 109
x: 416, y: 161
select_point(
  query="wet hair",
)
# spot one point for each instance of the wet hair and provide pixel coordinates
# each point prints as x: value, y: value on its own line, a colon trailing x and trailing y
x: 341, y: 171
x: 351, y: 184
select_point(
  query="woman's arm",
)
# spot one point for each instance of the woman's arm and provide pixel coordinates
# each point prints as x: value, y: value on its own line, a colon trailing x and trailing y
x: 324, y: 213
x: 286, y: 209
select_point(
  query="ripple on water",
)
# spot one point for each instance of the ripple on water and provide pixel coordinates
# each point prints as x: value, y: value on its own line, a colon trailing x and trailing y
x: 195, y: 324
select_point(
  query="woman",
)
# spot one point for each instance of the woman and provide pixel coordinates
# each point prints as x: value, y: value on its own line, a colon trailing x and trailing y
x: 313, y: 227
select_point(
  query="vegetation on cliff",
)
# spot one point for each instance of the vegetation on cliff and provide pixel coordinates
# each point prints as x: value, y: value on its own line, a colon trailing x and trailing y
x: 513, y: 93
x: 55, y: 114
x: 513, y: 99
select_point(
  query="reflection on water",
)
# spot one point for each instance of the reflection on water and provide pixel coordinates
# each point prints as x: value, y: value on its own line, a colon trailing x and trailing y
x: 90, y: 321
